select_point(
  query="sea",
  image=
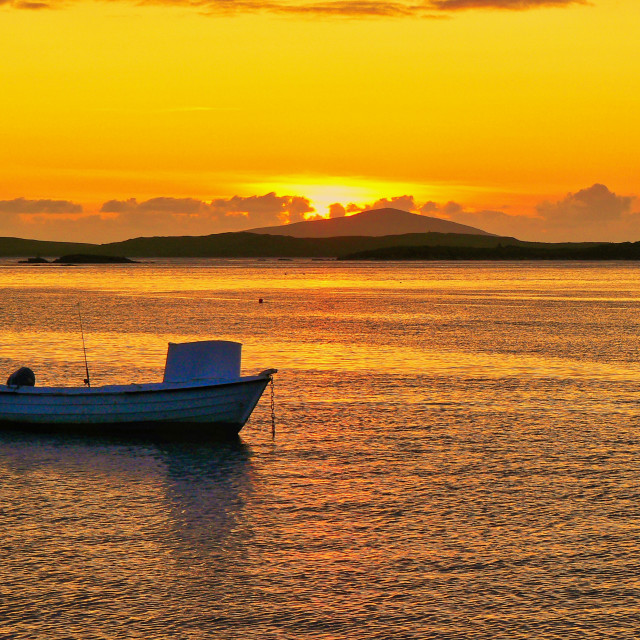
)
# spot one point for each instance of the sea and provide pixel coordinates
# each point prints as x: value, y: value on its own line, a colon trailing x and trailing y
x: 457, y: 455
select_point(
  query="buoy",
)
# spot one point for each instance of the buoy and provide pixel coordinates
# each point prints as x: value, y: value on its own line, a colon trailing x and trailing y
x: 260, y: 300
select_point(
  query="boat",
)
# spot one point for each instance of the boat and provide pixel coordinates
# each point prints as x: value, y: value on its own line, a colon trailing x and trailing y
x: 202, y: 393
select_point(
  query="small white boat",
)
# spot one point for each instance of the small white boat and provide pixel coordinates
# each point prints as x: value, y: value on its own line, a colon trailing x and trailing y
x: 202, y: 393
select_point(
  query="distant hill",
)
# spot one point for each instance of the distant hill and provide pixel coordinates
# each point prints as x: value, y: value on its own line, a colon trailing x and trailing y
x: 375, y: 222
x: 243, y: 244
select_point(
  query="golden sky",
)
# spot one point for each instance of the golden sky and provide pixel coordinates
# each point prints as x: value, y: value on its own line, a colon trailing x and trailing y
x: 505, y: 109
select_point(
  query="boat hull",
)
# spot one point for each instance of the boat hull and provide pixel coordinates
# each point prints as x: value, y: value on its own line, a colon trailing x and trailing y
x: 214, y: 409
x: 180, y: 430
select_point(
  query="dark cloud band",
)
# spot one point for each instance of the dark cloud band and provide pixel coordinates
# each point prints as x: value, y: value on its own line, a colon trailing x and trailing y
x: 257, y: 210
x: 22, y: 205
x: 345, y: 8
x: 513, y: 5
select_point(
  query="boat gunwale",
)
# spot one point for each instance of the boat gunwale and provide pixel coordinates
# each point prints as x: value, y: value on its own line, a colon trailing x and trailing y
x: 132, y: 389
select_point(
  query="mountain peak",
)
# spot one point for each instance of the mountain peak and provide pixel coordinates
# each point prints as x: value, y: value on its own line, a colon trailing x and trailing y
x: 372, y: 222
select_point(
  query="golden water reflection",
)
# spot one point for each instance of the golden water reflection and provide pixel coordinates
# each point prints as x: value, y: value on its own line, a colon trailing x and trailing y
x: 193, y: 275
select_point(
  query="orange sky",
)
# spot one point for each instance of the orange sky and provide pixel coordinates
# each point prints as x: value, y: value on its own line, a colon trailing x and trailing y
x: 518, y: 112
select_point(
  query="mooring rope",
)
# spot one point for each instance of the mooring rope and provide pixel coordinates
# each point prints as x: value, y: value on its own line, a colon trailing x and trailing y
x: 87, y: 380
x: 273, y: 411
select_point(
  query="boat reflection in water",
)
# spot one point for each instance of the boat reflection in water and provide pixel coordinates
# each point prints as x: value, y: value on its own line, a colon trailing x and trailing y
x: 206, y: 488
x: 151, y: 532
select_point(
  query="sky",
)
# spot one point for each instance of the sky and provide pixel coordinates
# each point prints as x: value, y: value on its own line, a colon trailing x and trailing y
x: 187, y: 117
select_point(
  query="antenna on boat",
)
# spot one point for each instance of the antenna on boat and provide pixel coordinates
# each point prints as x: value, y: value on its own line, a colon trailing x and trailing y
x: 87, y: 380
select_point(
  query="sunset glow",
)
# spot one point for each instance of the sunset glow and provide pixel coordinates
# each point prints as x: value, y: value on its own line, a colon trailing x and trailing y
x: 465, y: 102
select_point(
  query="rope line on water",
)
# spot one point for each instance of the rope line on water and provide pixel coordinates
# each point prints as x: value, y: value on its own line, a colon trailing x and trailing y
x: 273, y: 411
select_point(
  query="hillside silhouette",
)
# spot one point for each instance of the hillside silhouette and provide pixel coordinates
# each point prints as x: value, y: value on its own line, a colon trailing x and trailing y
x: 410, y: 246
x: 240, y: 245
x: 578, y: 251
x: 374, y: 222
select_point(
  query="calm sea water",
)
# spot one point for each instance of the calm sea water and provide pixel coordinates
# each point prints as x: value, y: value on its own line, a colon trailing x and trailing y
x: 457, y: 456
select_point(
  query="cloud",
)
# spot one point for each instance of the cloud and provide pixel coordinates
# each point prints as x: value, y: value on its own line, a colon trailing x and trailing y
x: 338, y: 8
x: 406, y: 203
x: 513, y: 5
x: 264, y: 210
x: 336, y: 210
x: 489, y: 220
x: 594, y: 214
x: 428, y: 207
x: 228, y: 213
x: 451, y: 208
x: 593, y: 205
x: 368, y: 8
x: 502, y: 224
x: 169, y: 205
x: 99, y: 228
x: 353, y: 8
x: 22, y: 205
x: 348, y: 8
x: 26, y: 4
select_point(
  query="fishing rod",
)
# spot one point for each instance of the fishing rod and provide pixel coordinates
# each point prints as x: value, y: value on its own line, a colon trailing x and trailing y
x: 87, y: 380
